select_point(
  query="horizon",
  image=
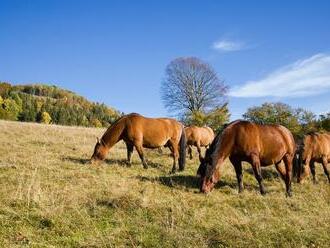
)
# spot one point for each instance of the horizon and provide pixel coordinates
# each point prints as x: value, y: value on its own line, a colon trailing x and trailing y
x: 116, y: 53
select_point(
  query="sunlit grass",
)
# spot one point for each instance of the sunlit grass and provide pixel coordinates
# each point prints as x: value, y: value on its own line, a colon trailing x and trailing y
x: 51, y: 198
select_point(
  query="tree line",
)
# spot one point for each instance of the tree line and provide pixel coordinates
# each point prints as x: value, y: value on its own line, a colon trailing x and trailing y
x: 192, y: 91
x: 51, y: 104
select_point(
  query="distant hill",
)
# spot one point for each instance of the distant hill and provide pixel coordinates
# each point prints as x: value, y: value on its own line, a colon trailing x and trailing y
x: 51, y: 104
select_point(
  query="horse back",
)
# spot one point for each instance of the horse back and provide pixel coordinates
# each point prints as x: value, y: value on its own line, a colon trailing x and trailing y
x: 201, y: 135
x: 269, y: 142
x: 154, y: 132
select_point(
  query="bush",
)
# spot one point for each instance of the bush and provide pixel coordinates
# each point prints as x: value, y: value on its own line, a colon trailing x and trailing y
x: 45, y: 118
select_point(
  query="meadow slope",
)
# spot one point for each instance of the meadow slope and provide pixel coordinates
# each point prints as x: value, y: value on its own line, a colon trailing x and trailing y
x: 49, y: 197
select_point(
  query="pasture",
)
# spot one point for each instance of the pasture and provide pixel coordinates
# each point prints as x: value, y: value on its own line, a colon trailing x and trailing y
x: 49, y: 197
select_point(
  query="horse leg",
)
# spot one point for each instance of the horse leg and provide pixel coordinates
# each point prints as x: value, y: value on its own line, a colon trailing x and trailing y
x: 306, y: 170
x: 239, y: 174
x: 312, y: 168
x: 170, y: 146
x: 199, y: 151
x: 324, y: 164
x: 288, y: 167
x: 281, y: 169
x: 175, y: 154
x: 257, y: 172
x: 130, y: 148
x: 139, y: 149
x: 190, y: 152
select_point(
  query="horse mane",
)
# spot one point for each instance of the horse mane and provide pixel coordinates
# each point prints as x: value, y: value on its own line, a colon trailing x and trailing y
x: 113, y: 125
x: 217, y: 138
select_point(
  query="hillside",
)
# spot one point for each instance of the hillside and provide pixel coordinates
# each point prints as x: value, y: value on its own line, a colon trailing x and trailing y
x: 51, y: 198
x: 51, y: 104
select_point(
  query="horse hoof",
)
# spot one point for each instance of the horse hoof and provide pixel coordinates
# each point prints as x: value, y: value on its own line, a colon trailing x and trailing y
x: 289, y: 194
x: 145, y: 166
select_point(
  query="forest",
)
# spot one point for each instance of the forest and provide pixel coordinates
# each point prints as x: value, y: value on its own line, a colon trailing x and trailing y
x: 51, y: 104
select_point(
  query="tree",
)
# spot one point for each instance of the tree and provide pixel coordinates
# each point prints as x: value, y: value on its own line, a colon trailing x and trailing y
x: 9, y: 110
x: 298, y: 121
x: 324, y: 122
x: 45, y: 118
x: 96, y: 123
x: 215, y: 118
x: 191, y: 86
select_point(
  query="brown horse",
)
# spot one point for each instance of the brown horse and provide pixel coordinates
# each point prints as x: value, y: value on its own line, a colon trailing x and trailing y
x: 314, y: 148
x: 199, y: 137
x: 259, y: 145
x: 138, y: 131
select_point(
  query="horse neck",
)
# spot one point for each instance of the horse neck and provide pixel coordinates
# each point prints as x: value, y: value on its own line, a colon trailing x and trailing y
x: 222, y: 150
x: 113, y: 134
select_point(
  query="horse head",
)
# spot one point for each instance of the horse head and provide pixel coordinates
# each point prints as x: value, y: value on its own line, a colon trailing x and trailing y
x: 209, y: 175
x: 100, y: 151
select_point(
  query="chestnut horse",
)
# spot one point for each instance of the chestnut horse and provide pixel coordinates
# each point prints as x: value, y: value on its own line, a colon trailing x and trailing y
x: 138, y: 131
x: 259, y: 145
x: 199, y: 137
x: 314, y: 148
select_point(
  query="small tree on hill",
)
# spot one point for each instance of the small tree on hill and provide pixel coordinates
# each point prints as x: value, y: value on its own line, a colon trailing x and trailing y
x: 96, y: 123
x: 45, y: 118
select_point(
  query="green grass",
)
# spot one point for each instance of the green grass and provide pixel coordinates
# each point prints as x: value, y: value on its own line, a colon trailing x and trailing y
x: 49, y: 197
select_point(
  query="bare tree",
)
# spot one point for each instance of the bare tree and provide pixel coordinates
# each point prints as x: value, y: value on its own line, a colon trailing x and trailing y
x: 190, y: 86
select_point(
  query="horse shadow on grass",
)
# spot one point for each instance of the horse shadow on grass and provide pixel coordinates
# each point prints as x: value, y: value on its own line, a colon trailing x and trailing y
x: 123, y: 162
x: 75, y: 160
x: 111, y: 161
x: 267, y: 174
x: 86, y: 161
x: 185, y: 181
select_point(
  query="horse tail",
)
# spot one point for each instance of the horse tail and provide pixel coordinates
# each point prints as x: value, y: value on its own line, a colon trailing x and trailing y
x: 296, y: 165
x: 300, y: 164
x: 182, y: 150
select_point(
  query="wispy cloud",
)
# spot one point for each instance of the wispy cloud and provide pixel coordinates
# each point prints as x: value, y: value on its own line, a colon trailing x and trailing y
x: 225, y: 45
x: 305, y: 77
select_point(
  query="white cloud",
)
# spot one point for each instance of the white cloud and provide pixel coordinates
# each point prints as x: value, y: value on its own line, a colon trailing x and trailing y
x: 305, y: 77
x: 228, y: 46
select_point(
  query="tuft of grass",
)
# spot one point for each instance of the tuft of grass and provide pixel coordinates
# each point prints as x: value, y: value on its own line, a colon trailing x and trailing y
x: 50, y: 197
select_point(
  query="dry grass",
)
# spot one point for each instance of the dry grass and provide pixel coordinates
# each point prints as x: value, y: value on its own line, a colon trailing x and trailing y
x: 51, y: 198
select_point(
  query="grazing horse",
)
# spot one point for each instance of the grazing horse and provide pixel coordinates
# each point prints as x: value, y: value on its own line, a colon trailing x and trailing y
x: 139, y: 131
x: 259, y: 145
x: 314, y: 148
x: 199, y: 137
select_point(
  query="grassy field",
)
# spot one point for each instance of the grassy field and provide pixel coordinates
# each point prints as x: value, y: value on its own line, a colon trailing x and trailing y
x: 49, y: 197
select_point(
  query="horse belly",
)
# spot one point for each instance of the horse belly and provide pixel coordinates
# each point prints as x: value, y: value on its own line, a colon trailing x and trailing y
x: 154, y: 142
x: 272, y: 156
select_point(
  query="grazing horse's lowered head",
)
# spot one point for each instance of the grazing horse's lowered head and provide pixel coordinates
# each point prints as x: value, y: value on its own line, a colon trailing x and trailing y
x: 100, y: 151
x: 208, y: 180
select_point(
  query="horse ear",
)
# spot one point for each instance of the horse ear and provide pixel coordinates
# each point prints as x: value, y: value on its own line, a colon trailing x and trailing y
x: 97, y: 140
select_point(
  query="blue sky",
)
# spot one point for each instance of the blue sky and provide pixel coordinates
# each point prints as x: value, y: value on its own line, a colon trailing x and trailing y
x: 116, y: 51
